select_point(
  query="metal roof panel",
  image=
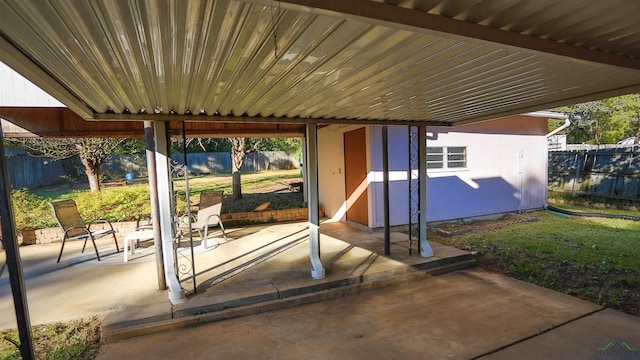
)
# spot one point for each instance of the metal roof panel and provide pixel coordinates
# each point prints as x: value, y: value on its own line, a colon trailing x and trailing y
x: 259, y: 59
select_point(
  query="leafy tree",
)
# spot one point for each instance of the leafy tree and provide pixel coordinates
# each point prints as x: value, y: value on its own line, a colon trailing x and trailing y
x: 627, y: 109
x: 292, y: 145
x: 605, y: 121
x: 198, y: 145
x: 92, y: 152
x: 130, y: 146
x: 224, y: 144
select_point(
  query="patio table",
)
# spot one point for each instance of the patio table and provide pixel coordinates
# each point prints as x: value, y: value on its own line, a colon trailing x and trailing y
x: 137, y: 236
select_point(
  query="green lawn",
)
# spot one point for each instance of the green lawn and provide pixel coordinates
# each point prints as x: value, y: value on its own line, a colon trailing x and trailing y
x: 78, y: 339
x: 597, y: 259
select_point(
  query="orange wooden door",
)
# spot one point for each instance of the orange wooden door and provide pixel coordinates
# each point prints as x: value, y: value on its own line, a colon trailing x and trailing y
x: 355, y: 173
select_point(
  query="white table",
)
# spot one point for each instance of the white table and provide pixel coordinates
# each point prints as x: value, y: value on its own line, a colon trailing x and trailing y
x: 135, y: 237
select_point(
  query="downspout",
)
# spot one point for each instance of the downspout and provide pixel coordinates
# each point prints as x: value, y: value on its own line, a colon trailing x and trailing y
x: 567, y: 122
x: 155, y: 207
x: 175, y: 291
x: 311, y: 166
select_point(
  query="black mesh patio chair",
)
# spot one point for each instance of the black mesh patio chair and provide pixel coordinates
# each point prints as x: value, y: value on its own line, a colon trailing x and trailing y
x: 68, y: 217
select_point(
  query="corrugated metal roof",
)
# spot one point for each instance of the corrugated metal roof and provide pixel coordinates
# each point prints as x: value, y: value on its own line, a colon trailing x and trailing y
x: 607, y: 26
x: 266, y: 59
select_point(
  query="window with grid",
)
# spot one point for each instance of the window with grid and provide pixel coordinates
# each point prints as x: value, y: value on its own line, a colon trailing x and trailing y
x: 447, y: 157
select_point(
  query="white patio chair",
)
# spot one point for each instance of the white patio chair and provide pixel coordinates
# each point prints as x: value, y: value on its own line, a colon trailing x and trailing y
x: 208, y: 215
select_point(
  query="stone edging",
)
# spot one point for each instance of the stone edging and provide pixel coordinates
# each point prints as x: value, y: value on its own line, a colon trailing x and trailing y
x: 51, y: 235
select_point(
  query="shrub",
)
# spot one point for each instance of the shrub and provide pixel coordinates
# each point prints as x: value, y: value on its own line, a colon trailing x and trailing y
x: 31, y: 211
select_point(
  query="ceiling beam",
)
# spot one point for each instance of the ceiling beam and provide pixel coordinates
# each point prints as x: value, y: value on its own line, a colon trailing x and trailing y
x: 18, y: 61
x: 415, y: 20
x: 260, y: 120
x: 19, y: 122
x: 554, y: 104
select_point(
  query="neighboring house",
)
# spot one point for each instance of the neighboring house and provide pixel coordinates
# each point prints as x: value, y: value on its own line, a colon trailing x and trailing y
x: 474, y: 170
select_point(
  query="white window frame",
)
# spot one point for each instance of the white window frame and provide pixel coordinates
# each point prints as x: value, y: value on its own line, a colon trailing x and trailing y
x: 445, y: 158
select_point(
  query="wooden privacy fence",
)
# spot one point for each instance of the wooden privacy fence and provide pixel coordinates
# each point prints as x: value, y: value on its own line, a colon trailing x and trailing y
x: 30, y: 172
x: 26, y: 171
x: 206, y: 163
x: 612, y: 173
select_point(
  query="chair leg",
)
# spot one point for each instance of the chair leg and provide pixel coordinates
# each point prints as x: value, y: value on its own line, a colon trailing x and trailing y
x: 84, y: 245
x: 116, y: 241
x: 95, y: 247
x: 224, y: 234
x: 61, y: 248
x: 204, y: 239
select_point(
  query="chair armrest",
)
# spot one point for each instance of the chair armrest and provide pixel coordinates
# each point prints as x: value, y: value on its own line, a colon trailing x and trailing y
x: 144, y: 226
x: 83, y: 228
x: 213, y: 216
x: 100, y: 221
x: 183, y: 220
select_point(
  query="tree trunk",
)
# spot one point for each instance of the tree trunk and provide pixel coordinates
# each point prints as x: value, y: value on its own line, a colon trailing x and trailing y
x: 92, y: 169
x: 237, y: 156
x: 237, y: 188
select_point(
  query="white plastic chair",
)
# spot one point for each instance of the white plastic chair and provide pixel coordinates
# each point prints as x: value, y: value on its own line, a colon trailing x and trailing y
x: 208, y: 215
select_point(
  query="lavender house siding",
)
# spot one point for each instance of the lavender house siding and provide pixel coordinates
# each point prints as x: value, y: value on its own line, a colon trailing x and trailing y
x: 506, y: 171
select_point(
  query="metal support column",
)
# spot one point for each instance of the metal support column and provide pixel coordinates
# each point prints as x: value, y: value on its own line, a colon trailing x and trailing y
x: 385, y: 187
x: 311, y: 166
x: 304, y: 172
x: 14, y: 263
x: 155, y: 209
x: 425, y: 248
x: 414, y: 190
x: 176, y: 293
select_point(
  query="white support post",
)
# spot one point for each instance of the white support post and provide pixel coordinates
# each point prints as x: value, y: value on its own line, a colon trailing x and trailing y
x: 153, y: 197
x: 425, y: 248
x: 163, y: 171
x: 311, y: 166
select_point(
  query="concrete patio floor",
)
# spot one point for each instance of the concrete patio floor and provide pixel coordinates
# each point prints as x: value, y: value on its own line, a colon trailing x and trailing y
x: 267, y: 267
x: 256, y: 265
x: 255, y: 297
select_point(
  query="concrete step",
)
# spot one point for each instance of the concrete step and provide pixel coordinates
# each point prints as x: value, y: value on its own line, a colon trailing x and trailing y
x: 247, y: 300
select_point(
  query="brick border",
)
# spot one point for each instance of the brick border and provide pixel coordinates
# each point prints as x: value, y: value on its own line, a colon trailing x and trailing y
x: 52, y: 235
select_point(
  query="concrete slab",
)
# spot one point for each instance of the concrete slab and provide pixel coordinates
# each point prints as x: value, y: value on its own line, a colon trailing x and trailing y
x: 63, y: 292
x: 272, y: 263
x: 585, y: 338
x: 455, y: 316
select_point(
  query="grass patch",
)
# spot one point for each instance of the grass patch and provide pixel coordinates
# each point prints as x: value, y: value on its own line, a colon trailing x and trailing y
x: 78, y: 339
x: 596, y: 259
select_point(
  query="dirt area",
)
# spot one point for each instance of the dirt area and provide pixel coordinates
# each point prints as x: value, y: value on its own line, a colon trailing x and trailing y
x: 273, y: 197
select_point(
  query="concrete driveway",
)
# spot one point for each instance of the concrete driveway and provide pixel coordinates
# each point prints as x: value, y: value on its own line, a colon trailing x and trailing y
x: 462, y: 315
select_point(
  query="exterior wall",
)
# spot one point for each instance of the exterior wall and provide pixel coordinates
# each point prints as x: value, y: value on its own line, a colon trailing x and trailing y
x: 331, y: 169
x: 506, y: 170
x: 15, y: 90
x: 507, y: 162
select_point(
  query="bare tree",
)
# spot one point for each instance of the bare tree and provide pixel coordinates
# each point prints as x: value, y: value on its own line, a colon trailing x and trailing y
x: 92, y: 152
